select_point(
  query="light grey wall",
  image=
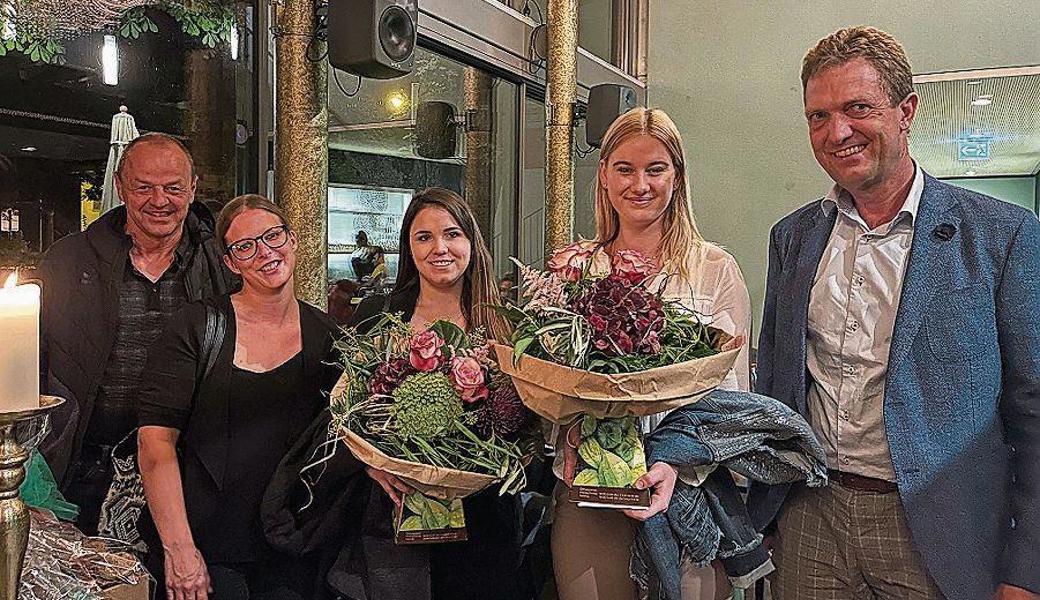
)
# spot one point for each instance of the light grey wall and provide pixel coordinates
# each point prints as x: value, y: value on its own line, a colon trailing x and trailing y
x: 1016, y: 190
x: 728, y: 74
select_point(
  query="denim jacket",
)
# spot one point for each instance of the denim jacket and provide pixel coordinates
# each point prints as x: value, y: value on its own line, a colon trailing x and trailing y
x: 753, y: 435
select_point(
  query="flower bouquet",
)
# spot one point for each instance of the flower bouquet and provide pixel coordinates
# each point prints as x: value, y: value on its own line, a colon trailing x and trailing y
x: 591, y: 340
x: 433, y: 409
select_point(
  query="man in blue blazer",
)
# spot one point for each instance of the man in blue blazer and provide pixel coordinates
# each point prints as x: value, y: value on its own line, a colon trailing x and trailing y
x: 902, y: 319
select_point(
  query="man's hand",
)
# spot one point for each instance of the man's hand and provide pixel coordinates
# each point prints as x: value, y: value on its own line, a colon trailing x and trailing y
x: 186, y: 575
x: 394, y: 487
x: 660, y: 479
x: 1009, y: 592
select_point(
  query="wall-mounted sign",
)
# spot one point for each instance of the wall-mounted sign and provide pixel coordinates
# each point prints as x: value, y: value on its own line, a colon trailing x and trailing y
x: 968, y: 150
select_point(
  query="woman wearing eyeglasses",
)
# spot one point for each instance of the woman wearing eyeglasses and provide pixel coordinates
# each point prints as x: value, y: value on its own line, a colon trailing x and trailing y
x: 228, y: 388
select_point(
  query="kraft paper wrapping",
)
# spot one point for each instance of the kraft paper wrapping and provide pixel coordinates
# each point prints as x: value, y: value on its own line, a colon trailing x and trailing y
x: 436, y: 482
x: 561, y: 393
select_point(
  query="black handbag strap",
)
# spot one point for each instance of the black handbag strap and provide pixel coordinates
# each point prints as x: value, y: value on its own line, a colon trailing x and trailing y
x: 212, y: 341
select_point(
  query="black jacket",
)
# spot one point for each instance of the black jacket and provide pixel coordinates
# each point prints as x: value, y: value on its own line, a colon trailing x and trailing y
x: 351, y: 518
x: 79, y: 319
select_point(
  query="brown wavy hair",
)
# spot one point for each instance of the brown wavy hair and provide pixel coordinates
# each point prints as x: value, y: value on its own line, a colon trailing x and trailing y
x: 878, y: 48
x: 681, y: 235
x: 479, y: 292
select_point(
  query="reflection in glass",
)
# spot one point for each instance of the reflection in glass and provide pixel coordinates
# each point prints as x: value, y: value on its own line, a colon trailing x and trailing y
x: 446, y: 125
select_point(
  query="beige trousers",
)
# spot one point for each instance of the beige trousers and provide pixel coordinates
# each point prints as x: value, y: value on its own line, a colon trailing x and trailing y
x: 592, y: 548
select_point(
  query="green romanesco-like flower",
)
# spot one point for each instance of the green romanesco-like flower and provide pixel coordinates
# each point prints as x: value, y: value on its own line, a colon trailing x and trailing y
x: 426, y: 406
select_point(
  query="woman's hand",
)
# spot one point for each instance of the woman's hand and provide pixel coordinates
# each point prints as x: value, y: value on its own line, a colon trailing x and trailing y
x: 186, y: 575
x: 394, y: 487
x: 660, y: 479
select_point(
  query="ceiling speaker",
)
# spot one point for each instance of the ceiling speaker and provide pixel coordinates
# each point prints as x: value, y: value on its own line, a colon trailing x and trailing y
x: 607, y: 102
x: 373, y: 38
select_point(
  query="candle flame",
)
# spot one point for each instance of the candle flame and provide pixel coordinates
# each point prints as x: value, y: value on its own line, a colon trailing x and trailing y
x: 12, y: 280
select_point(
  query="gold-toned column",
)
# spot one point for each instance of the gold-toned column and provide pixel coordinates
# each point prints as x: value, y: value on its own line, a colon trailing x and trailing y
x: 480, y: 148
x: 301, y: 142
x: 560, y: 96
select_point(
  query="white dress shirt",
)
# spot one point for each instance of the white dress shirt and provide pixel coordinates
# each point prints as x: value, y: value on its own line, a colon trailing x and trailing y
x: 852, y: 313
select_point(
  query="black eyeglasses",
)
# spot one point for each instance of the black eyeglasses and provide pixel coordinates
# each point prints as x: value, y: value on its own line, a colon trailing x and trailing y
x: 247, y: 248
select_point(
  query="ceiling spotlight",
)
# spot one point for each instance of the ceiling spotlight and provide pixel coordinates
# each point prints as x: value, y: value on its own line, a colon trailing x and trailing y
x: 29, y: 149
x: 982, y: 101
x: 396, y: 101
x: 974, y: 82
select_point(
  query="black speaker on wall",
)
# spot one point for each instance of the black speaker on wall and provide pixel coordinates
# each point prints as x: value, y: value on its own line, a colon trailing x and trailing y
x: 435, y: 130
x: 607, y: 101
x: 373, y: 38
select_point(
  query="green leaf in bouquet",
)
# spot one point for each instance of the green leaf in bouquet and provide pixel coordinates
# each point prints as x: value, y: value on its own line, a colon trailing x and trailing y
x: 610, y: 432
x: 521, y: 346
x: 510, y: 313
x: 637, y: 467
x: 457, y: 517
x: 588, y: 426
x: 411, y: 524
x: 416, y: 503
x: 587, y: 477
x: 626, y: 451
x: 436, y: 515
x: 591, y: 452
x: 452, y: 334
x: 614, y: 472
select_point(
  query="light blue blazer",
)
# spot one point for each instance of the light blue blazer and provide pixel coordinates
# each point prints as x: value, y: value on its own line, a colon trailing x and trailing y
x: 962, y: 400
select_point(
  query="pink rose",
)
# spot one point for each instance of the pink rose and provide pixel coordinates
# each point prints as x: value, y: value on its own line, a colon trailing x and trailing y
x: 468, y: 377
x: 634, y: 267
x: 425, y: 351
x: 569, y: 263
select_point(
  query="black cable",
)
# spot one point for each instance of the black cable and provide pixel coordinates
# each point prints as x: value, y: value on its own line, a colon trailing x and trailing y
x: 335, y: 77
x: 527, y: 10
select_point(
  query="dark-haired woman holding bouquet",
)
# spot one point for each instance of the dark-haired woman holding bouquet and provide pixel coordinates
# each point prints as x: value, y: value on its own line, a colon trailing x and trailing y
x: 445, y: 275
x: 642, y: 209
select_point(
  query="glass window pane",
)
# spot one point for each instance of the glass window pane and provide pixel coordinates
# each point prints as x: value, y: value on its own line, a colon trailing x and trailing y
x: 445, y: 124
x: 56, y: 112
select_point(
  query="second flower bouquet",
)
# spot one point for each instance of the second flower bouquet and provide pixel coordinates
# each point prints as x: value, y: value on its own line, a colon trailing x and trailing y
x: 595, y: 346
x: 433, y: 409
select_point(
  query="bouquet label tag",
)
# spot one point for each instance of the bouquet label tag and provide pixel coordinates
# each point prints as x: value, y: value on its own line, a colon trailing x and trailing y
x: 611, y: 458
x: 426, y: 520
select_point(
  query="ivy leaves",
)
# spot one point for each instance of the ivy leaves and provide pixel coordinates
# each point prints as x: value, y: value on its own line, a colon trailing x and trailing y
x: 211, y: 22
x: 135, y: 22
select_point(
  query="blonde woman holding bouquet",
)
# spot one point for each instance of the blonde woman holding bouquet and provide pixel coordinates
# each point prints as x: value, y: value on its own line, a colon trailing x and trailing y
x: 642, y: 204
x: 445, y: 274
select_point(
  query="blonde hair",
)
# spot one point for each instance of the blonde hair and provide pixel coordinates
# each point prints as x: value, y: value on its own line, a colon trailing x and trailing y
x: 681, y: 236
x: 878, y: 48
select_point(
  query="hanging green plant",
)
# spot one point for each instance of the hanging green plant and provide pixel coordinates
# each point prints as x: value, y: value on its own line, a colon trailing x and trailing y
x: 38, y: 50
x: 135, y: 22
x: 210, y: 21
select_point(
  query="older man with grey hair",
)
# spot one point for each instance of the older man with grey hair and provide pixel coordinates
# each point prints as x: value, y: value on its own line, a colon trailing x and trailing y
x: 107, y: 293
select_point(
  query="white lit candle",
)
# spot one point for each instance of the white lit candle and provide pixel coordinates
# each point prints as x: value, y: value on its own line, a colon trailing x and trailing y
x: 19, y: 345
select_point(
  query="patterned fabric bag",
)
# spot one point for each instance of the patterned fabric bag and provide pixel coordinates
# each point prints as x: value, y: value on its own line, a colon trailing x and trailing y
x: 125, y: 499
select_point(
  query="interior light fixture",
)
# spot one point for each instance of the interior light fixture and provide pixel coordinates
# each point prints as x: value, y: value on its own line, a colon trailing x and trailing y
x: 970, y: 173
x: 233, y: 42
x: 110, y: 61
x: 980, y: 101
x: 396, y: 101
x: 973, y: 82
x: 29, y: 149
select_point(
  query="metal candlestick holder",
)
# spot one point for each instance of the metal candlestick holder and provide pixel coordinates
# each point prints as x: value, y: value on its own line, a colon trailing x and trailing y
x: 14, y: 514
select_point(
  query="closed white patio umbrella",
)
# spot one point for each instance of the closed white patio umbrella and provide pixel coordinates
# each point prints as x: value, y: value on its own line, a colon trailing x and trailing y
x: 124, y: 130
